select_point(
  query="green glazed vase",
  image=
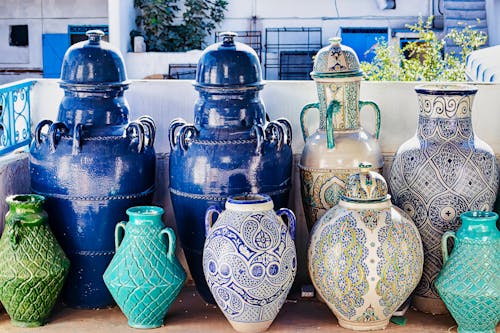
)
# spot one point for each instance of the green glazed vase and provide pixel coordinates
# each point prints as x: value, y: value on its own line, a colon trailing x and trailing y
x: 469, y: 283
x: 144, y: 276
x: 32, y: 264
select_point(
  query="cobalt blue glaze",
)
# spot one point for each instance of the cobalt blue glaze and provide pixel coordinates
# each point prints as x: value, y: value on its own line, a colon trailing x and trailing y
x: 92, y: 164
x: 230, y: 148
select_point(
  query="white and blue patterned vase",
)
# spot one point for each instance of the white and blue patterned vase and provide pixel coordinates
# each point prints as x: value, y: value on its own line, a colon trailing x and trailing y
x: 443, y: 171
x: 365, y: 256
x: 249, y: 260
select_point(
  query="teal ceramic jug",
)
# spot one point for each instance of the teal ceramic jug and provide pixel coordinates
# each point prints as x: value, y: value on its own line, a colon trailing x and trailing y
x: 469, y: 283
x: 32, y: 264
x: 144, y: 277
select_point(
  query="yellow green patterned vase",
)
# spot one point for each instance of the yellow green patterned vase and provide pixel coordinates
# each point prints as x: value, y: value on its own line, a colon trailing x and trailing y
x: 32, y: 264
x: 144, y: 276
x: 469, y: 282
x: 365, y: 256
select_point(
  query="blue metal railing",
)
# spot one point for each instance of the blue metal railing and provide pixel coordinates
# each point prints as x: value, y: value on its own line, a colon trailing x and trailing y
x: 15, y: 107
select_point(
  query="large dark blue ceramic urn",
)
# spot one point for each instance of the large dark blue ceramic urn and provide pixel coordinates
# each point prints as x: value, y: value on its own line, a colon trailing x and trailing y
x: 91, y: 165
x: 230, y: 148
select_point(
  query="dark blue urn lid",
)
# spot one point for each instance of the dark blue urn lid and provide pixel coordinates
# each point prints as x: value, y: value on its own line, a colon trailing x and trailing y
x: 229, y: 64
x: 93, y: 62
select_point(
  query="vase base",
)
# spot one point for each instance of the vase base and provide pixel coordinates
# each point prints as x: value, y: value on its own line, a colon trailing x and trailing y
x: 433, y: 306
x: 35, y: 323
x: 367, y: 326
x: 251, y: 327
x: 464, y: 330
x: 144, y: 326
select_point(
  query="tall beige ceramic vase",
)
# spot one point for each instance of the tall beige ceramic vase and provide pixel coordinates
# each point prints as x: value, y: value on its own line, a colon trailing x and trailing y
x: 333, y: 151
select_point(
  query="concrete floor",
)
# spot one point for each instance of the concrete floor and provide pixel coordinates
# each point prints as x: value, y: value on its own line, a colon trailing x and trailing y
x: 190, y: 313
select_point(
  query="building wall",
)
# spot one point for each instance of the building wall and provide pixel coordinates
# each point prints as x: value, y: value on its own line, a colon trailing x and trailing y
x: 42, y: 17
x: 262, y: 14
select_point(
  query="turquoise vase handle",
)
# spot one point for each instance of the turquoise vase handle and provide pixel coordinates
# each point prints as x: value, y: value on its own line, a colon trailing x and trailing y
x: 171, y: 242
x: 444, y: 244
x: 292, y: 221
x: 333, y: 107
x: 375, y: 108
x: 119, y: 232
x: 209, y: 217
x: 303, y: 115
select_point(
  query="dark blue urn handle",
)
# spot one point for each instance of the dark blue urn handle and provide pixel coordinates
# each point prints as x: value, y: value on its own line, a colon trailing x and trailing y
x: 172, y: 131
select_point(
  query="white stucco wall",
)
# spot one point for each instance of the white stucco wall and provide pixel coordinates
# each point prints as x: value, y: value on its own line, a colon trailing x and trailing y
x: 493, y: 17
x: 165, y: 100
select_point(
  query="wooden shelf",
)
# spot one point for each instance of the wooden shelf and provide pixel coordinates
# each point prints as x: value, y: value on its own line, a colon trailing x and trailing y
x: 190, y: 313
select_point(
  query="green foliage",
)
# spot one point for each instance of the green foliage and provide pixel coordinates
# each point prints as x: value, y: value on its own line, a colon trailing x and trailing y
x: 424, y: 59
x: 158, y: 19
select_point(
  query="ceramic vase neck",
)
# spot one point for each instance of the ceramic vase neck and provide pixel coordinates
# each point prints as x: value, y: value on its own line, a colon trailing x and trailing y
x: 25, y: 203
x: 95, y: 108
x: 445, y: 116
x: 145, y: 216
x: 236, y: 109
x: 344, y: 91
x: 479, y: 225
x: 249, y: 202
x: 445, y: 106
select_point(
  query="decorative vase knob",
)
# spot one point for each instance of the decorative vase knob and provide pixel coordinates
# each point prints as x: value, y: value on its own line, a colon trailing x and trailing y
x: 94, y: 36
x: 228, y: 37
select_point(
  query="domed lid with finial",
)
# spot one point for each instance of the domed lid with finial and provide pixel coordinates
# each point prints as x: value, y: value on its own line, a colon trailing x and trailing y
x: 336, y: 60
x: 229, y: 64
x: 93, y: 62
x: 366, y: 185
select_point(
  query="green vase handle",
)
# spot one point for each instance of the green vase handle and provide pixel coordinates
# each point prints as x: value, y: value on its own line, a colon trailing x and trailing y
x: 375, y: 108
x: 333, y: 107
x: 303, y: 115
x: 171, y: 242
x: 14, y: 232
x: 119, y: 232
x: 444, y: 244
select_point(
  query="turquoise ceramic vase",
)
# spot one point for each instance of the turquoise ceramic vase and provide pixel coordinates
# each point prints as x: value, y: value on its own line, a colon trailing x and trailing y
x: 469, y: 283
x: 144, y: 276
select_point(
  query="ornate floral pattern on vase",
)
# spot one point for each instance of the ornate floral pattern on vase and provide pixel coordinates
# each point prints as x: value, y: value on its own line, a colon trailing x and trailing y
x: 144, y: 276
x: 469, y: 282
x: 249, y: 260
x: 335, y: 149
x: 365, y: 256
x: 33, y: 265
x: 440, y: 173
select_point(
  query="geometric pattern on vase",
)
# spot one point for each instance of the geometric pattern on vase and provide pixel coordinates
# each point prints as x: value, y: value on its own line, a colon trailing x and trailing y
x: 440, y: 173
x: 482, y: 308
x: 469, y: 283
x: 144, y: 277
x: 32, y: 267
x: 322, y: 189
x: 250, y: 264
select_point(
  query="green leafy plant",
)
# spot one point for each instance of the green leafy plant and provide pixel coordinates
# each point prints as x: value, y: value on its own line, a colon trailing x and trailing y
x: 424, y: 59
x: 165, y: 31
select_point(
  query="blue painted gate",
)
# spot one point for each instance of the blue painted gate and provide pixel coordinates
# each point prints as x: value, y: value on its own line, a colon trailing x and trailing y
x: 54, y: 46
